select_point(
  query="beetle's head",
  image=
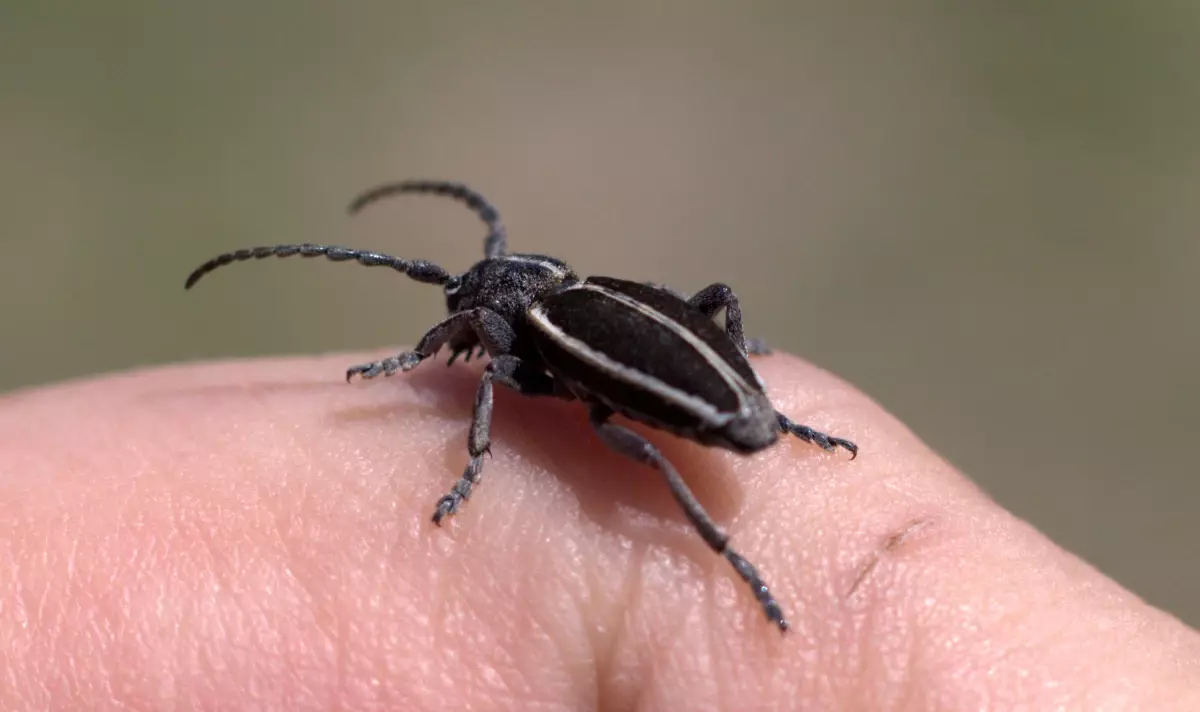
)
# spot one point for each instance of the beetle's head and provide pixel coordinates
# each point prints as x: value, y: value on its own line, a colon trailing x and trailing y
x: 507, y: 285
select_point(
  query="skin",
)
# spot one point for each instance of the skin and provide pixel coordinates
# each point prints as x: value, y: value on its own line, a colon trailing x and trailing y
x: 256, y: 535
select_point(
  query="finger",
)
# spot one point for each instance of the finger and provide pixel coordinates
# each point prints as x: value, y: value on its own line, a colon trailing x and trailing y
x: 264, y: 512
x: 908, y: 588
x: 260, y: 531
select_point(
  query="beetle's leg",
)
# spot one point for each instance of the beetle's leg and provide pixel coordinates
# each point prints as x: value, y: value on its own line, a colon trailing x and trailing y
x: 711, y: 299
x: 493, y: 332
x: 634, y: 446
x: 815, y: 437
x: 512, y: 372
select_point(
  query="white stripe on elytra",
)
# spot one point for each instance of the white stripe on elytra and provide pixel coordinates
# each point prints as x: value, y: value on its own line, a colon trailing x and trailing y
x: 692, y: 403
x: 695, y: 405
x: 732, y: 378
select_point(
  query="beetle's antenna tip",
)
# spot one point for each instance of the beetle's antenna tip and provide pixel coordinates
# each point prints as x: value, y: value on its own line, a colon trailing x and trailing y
x: 358, y: 203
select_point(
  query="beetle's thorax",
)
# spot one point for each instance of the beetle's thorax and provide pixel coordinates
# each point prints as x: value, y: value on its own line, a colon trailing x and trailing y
x: 507, y: 285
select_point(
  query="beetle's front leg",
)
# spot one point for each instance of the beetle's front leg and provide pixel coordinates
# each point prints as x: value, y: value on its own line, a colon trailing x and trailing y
x: 711, y: 299
x: 512, y: 372
x: 493, y: 332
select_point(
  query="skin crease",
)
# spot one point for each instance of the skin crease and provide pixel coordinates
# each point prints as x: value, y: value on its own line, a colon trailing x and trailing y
x: 256, y: 535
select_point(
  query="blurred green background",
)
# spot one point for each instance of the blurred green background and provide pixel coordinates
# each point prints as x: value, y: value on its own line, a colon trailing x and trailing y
x: 983, y: 214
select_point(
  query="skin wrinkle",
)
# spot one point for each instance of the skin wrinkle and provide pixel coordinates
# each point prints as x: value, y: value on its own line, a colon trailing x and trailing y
x: 893, y: 631
x: 634, y: 586
x: 889, y: 545
x: 895, y: 602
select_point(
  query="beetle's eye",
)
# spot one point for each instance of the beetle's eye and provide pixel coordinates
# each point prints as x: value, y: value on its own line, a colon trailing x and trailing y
x: 453, y: 284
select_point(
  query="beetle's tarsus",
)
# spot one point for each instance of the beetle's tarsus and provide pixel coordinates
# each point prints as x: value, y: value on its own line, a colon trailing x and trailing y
x: 749, y: 574
x: 461, y: 491
x: 816, y: 437
x: 446, y: 506
x: 406, y: 361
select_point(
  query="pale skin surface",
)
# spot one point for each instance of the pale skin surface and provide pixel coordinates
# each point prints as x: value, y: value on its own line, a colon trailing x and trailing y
x: 256, y: 535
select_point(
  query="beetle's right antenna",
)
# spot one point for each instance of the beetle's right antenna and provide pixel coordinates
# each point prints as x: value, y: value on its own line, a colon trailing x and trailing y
x: 496, y: 243
x: 419, y: 270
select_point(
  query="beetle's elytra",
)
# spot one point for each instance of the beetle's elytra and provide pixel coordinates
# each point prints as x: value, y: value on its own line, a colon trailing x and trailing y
x: 640, y: 350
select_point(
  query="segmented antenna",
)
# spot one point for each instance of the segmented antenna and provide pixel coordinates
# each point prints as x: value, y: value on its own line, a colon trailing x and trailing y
x: 496, y: 243
x: 419, y: 270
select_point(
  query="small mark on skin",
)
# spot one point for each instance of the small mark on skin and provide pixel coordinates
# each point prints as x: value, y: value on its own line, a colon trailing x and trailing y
x: 889, y: 545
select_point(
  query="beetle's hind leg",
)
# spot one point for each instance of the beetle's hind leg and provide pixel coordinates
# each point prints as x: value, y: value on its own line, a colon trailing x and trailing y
x: 512, y: 372
x: 815, y: 437
x: 711, y: 299
x: 634, y: 446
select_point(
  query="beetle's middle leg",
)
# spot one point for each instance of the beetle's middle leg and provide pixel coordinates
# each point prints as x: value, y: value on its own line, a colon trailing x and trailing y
x: 634, y: 446
x: 512, y: 372
x: 491, y: 330
x: 711, y: 299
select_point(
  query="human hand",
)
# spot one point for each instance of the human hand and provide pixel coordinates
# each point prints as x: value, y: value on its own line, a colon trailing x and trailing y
x: 256, y: 535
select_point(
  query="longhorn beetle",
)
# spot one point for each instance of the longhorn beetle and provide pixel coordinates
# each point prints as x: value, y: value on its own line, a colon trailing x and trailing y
x: 641, y: 350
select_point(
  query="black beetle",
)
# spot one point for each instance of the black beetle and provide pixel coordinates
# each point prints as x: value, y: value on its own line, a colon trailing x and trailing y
x: 641, y: 350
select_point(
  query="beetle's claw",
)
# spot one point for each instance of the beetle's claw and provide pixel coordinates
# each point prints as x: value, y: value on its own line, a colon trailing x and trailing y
x: 446, y: 507
x: 845, y: 445
x: 365, y: 370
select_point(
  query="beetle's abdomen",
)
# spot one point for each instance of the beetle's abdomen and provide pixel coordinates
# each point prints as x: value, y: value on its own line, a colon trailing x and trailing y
x: 651, y: 356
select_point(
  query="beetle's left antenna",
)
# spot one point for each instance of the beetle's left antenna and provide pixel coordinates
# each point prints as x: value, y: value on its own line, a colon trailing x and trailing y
x: 496, y: 242
x: 419, y: 270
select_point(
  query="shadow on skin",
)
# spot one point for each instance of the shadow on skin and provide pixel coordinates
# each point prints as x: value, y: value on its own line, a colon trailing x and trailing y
x: 554, y: 436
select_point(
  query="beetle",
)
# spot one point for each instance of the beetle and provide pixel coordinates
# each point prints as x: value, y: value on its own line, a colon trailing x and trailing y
x: 640, y: 350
